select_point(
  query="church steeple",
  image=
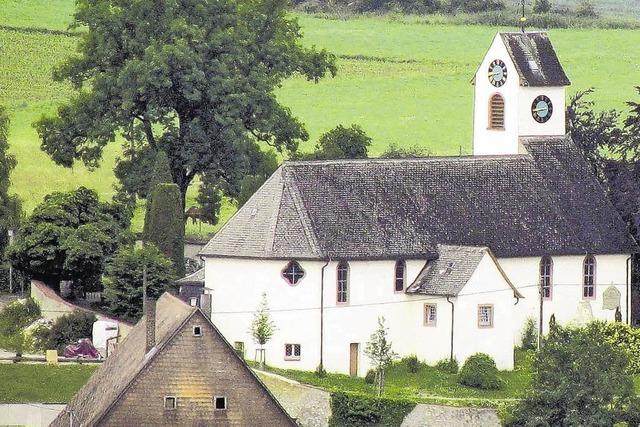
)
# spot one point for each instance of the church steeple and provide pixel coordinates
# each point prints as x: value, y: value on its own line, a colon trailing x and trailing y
x: 519, y: 91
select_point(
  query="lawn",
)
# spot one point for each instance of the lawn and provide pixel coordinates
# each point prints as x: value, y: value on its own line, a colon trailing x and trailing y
x: 403, y: 81
x: 25, y: 383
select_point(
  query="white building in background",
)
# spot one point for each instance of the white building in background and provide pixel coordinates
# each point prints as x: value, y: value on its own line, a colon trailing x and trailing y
x: 452, y: 251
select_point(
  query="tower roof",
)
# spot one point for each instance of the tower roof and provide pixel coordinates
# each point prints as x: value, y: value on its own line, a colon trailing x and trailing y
x: 535, y: 59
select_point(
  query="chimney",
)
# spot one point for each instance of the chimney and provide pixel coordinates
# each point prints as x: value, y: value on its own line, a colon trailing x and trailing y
x: 149, y: 307
x: 205, y: 305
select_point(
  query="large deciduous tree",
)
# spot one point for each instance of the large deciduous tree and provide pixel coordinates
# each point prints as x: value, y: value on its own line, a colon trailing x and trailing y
x: 69, y: 236
x: 193, y: 78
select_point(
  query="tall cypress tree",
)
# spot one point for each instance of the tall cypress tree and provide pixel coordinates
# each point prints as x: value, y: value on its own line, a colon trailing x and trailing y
x: 10, y: 207
x: 161, y: 175
x: 165, y: 224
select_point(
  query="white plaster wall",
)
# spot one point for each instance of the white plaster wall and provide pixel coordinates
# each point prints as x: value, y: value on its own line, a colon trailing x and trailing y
x: 491, y: 142
x: 486, y: 286
x: 237, y: 286
x: 567, y: 287
x: 527, y: 126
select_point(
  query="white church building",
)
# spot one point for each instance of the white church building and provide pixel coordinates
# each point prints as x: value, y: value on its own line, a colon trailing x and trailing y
x: 454, y: 252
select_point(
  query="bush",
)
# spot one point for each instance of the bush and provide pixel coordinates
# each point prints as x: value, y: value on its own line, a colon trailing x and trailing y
x: 480, y: 371
x: 69, y: 328
x: 542, y: 6
x: 529, y: 335
x: 624, y: 337
x: 586, y: 9
x: 370, y: 378
x: 354, y: 410
x: 412, y: 364
x: 164, y: 224
x: 449, y: 366
x: 14, y: 318
x: 320, y: 372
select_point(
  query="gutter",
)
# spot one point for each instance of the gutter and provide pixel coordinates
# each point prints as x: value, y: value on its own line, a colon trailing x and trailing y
x: 321, y: 366
x: 452, y: 323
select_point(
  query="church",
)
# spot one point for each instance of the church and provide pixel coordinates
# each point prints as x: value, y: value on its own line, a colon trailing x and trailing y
x: 456, y: 253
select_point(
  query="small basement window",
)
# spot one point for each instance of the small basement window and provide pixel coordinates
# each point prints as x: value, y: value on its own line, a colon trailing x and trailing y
x: 197, y: 331
x: 170, y: 402
x: 292, y: 352
x: 220, y: 403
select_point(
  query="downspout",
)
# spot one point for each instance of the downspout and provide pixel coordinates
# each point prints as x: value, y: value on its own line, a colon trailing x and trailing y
x: 628, y: 278
x: 322, y: 314
x: 452, y: 323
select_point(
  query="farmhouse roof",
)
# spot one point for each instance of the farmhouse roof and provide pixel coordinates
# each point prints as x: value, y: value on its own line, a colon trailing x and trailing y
x: 450, y: 272
x: 195, y: 278
x: 535, y: 59
x: 544, y: 202
x: 119, y: 371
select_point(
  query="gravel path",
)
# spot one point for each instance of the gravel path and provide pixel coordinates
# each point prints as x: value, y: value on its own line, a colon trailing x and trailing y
x: 309, y: 405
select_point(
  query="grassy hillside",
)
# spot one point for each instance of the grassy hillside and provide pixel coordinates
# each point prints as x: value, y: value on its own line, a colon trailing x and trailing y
x: 404, y: 83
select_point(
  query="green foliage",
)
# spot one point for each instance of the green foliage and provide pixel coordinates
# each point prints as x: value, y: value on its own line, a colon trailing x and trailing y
x: 449, y: 366
x: 586, y: 9
x: 10, y: 206
x: 135, y: 168
x: 161, y: 175
x: 164, y: 224
x: 320, y: 372
x: 14, y: 318
x: 476, y: 5
x: 395, y: 151
x: 479, y: 371
x: 579, y: 378
x: 343, y: 143
x: 68, y: 329
x: 542, y: 6
x: 210, y: 200
x: 624, y: 337
x: 262, y: 327
x: 380, y: 352
x: 157, y: 86
x: 250, y: 184
x: 357, y: 410
x: 124, y: 278
x: 529, y: 335
x: 412, y: 363
x: 370, y: 377
x: 69, y: 236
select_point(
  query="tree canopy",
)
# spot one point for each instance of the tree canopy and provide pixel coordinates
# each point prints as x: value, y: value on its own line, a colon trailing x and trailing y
x: 69, y: 236
x: 194, y: 79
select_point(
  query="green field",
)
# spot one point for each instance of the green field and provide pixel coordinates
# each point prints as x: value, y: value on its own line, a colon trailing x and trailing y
x: 404, y: 82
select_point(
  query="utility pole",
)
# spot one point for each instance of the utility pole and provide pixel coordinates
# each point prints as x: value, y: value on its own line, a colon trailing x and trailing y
x: 540, y: 322
x: 523, y: 18
x: 10, y: 233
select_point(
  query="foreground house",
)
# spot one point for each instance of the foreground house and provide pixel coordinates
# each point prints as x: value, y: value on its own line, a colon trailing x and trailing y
x: 455, y: 252
x: 174, y: 368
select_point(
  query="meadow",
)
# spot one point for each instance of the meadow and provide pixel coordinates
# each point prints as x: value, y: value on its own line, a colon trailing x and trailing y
x: 403, y: 81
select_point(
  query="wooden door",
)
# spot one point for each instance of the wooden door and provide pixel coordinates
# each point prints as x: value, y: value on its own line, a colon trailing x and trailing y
x: 353, y: 359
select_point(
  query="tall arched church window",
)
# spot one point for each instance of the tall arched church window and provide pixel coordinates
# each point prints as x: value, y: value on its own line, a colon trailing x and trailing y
x: 400, y: 275
x: 496, y: 112
x: 589, y: 277
x: 342, y: 290
x: 546, y: 277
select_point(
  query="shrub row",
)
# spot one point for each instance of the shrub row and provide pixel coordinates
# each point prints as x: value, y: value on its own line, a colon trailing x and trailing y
x: 349, y: 409
x: 627, y: 338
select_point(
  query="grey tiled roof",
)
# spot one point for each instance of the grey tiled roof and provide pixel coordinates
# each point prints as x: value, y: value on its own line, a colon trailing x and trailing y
x: 451, y: 270
x: 545, y: 202
x: 447, y: 274
x: 194, y: 278
x: 535, y: 59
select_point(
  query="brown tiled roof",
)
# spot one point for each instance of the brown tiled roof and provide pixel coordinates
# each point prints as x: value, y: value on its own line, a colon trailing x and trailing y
x: 545, y: 202
x: 451, y: 270
x: 95, y: 399
x: 535, y: 59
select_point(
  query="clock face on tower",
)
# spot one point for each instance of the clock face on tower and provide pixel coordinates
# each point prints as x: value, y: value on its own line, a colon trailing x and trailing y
x: 497, y: 73
x: 542, y: 109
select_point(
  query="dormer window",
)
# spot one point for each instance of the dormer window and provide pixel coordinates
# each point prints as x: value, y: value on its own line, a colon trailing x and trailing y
x: 293, y: 273
x: 400, y: 276
x: 496, y: 112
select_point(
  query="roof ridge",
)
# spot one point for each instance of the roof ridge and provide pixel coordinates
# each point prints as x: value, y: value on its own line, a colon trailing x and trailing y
x: 307, y: 225
x: 467, y: 158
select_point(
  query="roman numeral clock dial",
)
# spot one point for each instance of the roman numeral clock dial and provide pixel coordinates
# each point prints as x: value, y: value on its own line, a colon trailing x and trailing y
x: 497, y: 73
x: 542, y: 109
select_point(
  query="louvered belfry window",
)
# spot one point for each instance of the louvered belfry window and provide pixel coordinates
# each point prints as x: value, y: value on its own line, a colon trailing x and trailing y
x: 496, y: 112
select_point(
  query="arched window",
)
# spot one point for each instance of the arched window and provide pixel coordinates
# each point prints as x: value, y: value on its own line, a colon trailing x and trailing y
x: 342, y: 296
x: 496, y: 112
x: 293, y: 272
x: 589, y: 277
x: 401, y: 268
x: 546, y: 274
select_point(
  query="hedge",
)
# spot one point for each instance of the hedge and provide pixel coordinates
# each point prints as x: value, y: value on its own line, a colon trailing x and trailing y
x: 627, y: 338
x: 348, y: 409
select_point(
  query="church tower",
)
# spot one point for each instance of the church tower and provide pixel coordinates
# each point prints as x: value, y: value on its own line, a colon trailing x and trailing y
x: 519, y: 91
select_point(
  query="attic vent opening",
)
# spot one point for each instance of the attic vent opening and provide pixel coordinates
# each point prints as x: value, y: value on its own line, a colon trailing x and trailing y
x: 446, y: 271
x: 197, y: 331
x: 496, y: 112
x: 220, y: 403
x: 170, y: 402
